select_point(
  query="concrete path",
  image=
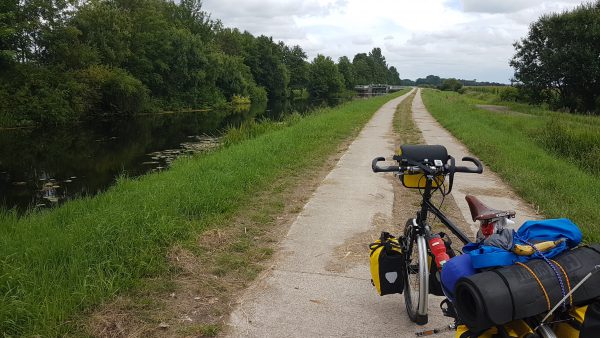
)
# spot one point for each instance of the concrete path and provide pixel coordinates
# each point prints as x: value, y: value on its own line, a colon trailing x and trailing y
x: 299, y: 296
x: 488, y: 187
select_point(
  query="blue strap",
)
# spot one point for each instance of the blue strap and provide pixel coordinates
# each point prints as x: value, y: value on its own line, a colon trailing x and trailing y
x: 487, y: 256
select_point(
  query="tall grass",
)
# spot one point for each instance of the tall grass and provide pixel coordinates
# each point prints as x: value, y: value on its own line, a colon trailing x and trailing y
x: 576, y: 142
x: 253, y: 128
x: 573, y: 137
x: 506, y: 142
x: 55, y: 264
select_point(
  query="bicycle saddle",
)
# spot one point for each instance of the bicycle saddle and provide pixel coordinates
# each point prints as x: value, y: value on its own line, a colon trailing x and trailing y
x: 480, y: 211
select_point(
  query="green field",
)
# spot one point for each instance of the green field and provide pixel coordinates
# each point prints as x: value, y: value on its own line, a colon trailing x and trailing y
x: 56, y: 264
x: 552, y: 159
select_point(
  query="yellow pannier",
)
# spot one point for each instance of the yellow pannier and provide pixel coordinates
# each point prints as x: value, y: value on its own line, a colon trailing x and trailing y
x: 514, y: 329
x: 386, y: 265
x: 581, y: 322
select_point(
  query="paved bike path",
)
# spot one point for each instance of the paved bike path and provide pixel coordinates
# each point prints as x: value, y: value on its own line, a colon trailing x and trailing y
x: 299, y: 296
x: 488, y: 187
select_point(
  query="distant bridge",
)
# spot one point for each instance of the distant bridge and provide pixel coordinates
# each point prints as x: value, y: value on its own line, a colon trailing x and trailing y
x: 376, y: 89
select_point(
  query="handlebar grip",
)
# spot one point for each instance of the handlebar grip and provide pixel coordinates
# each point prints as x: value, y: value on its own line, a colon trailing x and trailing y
x: 473, y: 160
x: 378, y: 169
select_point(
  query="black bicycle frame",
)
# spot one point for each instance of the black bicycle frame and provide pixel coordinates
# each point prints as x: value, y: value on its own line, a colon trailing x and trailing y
x: 427, y: 207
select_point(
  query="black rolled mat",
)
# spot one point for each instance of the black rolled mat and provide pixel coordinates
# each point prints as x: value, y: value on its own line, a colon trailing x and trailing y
x: 499, y: 296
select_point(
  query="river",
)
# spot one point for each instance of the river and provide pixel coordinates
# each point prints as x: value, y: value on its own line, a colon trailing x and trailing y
x: 43, y: 167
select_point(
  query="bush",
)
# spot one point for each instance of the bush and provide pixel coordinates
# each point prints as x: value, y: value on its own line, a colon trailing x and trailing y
x: 36, y: 94
x: 451, y: 85
x: 113, y: 91
x: 509, y: 94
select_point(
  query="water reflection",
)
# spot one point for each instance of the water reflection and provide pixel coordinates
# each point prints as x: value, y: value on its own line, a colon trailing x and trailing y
x: 43, y: 167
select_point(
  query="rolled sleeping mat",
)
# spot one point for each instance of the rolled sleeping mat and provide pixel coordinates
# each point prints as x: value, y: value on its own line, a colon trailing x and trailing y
x: 502, y: 295
x: 457, y: 267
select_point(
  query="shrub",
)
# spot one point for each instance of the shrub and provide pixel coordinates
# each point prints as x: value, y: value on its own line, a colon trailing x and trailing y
x: 451, y: 85
x: 113, y: 91
x: 509, y: 94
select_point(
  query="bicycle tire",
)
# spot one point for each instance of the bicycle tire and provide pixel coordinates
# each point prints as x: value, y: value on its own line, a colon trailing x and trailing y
x: 415, y: 277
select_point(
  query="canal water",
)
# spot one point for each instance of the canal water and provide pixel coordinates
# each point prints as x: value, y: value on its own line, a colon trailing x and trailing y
x: 43, y: 167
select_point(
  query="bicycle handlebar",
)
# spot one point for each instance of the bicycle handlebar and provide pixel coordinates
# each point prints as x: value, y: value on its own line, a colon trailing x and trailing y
x: 378, y: 169
x: 423, y: 168
x: 473, y: 160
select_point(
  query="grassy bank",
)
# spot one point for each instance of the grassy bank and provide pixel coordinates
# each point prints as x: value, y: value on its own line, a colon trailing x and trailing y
x: 55, y: 264
x: 533, y: 149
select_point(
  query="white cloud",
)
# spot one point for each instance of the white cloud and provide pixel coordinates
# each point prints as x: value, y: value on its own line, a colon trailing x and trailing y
x: 458, y: 38
x: 510, y: 6
x: 497, y: 6
x: 362, y: 40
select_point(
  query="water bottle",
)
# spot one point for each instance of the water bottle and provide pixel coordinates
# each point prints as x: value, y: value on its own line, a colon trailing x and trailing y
x: 438, y: 249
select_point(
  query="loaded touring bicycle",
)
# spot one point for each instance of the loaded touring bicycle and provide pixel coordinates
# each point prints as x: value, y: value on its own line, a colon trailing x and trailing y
x: 534, y: 282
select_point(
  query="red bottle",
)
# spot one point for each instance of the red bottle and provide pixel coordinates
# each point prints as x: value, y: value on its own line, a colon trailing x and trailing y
x: 438, y: 249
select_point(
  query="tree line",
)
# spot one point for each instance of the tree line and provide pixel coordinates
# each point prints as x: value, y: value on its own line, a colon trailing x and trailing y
x: 558, y: 62
x: 69, y: 60
x: 435, y: 81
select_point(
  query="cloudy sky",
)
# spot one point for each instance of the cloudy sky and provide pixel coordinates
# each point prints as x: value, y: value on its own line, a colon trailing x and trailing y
x: 469, y: 39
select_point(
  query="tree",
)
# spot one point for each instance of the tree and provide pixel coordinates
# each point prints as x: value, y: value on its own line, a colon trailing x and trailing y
x: 372, y: 68
x: 431, y: 80
x: 363, y: 66
x: 265, y: 60
x: 235, y: 78
x: 558, y: 60
x: 347, y: 71
x: 451, y: 85
x: 407, y: 82
x: 295, y: 60
x: 379, y: 68
x: 8, y: 33
x: 324, y: 79
x: 233, y: 42
x: 33, y: 20
x: 393, y: 76
x: 191, y: 16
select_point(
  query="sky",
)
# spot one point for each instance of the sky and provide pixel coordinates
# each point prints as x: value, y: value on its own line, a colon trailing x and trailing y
x: 468, y: 39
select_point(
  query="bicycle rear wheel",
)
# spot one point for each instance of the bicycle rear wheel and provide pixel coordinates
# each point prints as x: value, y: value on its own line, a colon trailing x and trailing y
x: 415, y: 274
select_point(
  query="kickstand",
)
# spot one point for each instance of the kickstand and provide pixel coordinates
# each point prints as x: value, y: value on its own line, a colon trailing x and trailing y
x: 448, y: 308
x: 449, y: 327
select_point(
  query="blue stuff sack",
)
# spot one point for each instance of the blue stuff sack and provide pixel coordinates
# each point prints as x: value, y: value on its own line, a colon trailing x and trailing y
x: 486, y: 256
x: 457, y: 267
x: 549, y: 230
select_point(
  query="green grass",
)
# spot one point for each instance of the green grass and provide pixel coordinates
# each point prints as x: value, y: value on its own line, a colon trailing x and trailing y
x: 56, y: 264
x: 404, y: 124
x: 514, y: 145
x: 570, y: 136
